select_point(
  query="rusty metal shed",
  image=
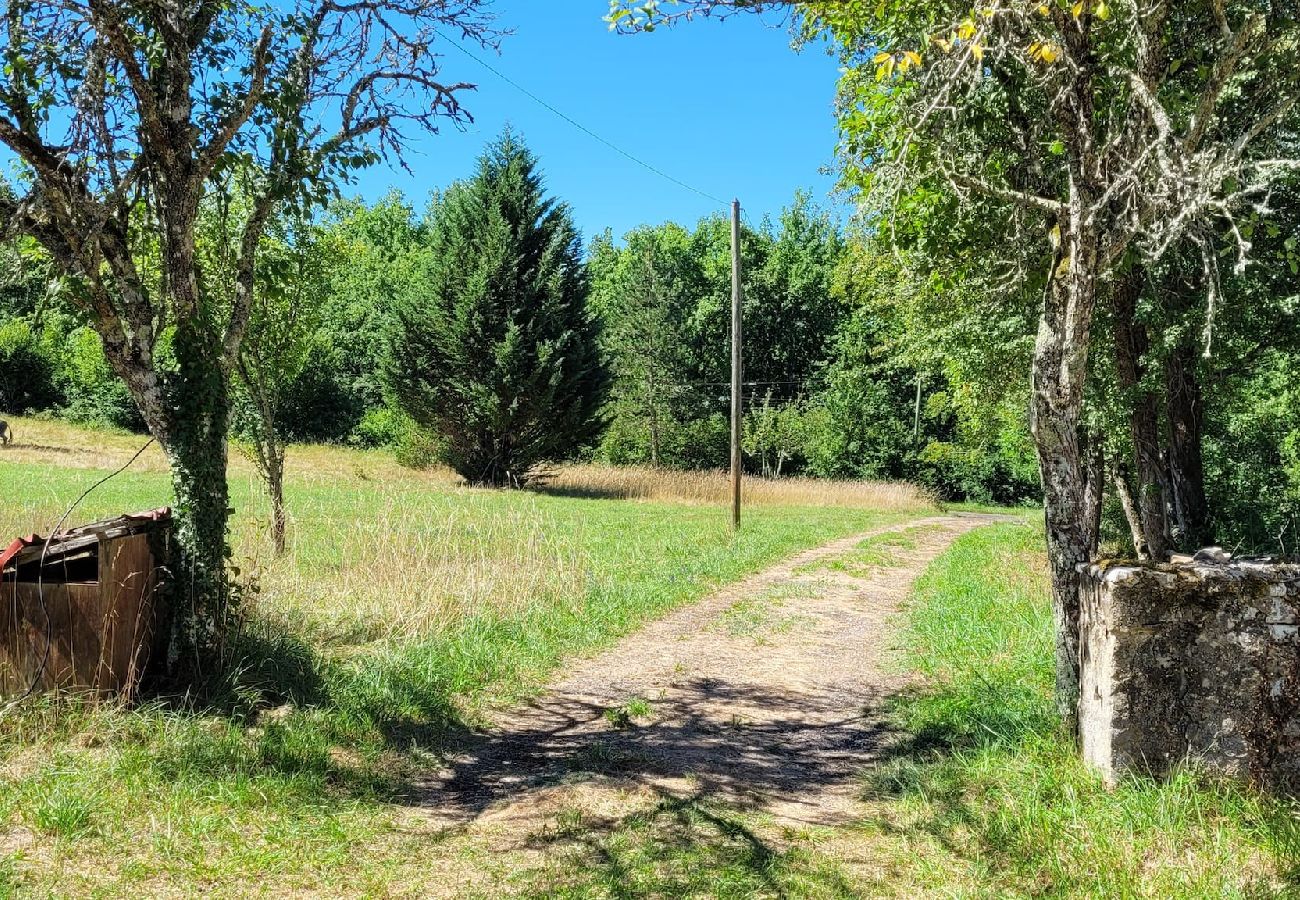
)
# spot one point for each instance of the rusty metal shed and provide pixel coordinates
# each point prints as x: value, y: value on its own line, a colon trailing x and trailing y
x: 78, y: 611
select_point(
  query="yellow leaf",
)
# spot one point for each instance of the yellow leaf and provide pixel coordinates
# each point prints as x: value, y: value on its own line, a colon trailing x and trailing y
x: 1044, y: 53
x: 880, y: 58
x: 1077, y: 9
x: 1043, y: 10
x: 977, y: 51
x: 1103, y: 11
x: 885, y: 69
x: 1064, y: 268
x: 966, y: 30
x: 942, y: 43
x: 1055, y: 236
x: 913, y: 57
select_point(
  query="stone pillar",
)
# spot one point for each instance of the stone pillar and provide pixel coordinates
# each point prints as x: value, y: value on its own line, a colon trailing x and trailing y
x: 1192, y: 662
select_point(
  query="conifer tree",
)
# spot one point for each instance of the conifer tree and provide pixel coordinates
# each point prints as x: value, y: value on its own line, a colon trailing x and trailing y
x: 499, y: 357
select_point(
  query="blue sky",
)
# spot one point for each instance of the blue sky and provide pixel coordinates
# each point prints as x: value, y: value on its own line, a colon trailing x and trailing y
x: 727, y: 107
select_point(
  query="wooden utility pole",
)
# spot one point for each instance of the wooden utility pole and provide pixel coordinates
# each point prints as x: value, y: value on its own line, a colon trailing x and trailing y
x: 735, y: 364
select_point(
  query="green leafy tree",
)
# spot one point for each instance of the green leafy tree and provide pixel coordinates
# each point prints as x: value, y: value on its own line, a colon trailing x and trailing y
x: 284, y: 318
x: 280, y: 338
x: 379, y: 254
x: 501, y: 357
x: 28, y: 371
x: 643, y: 294
x: 665, y: 300
x: 27, y: 374
x: 775, y: 435
x: 794, y: 313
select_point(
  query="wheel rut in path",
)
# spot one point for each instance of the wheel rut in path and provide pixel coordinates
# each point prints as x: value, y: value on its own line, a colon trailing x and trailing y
x: 768, y: 693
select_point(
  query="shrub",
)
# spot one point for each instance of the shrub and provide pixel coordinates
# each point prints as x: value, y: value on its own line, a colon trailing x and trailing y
x: 27, y: 373
x: 93, y: 393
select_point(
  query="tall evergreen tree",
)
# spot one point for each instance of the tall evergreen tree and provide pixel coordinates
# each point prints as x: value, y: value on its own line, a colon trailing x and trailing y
x: 500, y: 357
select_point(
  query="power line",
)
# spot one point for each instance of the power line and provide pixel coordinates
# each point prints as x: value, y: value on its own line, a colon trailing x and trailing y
x: 575, y: 123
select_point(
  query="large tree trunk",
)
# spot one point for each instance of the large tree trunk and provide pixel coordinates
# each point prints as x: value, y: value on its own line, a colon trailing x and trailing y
x: 1059, y: 371
x: 1186, y: 413
x: 1132, y: 344
x: 195, y: 441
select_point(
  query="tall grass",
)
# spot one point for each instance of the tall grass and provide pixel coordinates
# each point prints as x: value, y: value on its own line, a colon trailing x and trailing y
x: 51, y: 442
x: 714, y: 487
x: 988, y: 791
x: 410, y: 572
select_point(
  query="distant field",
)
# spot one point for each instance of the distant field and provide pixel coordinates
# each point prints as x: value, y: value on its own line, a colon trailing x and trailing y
x: 407, y: 603
x: 380, y: 552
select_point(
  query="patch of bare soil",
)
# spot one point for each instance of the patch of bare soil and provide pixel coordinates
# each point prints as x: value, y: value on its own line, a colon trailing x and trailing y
x: 767, y: 695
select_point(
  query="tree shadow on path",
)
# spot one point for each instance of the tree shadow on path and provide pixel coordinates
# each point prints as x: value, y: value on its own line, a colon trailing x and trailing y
x: 784, y: 747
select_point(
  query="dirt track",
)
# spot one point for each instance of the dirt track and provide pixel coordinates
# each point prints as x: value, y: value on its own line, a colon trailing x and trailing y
x: 766, y: 694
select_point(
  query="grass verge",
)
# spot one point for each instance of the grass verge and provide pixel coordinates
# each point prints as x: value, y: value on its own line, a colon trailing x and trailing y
x: 988, y: 796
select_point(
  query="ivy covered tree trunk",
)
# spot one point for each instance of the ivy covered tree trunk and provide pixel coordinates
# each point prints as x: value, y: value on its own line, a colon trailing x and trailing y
x: 195, y: 439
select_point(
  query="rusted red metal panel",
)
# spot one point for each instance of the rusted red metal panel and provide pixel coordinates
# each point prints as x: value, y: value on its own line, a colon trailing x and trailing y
x: 18, y: 546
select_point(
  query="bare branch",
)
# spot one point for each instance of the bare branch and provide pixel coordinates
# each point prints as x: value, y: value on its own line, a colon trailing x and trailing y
x: 967, y: 182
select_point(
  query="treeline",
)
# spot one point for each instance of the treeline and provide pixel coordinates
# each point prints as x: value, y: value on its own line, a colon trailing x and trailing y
x: 479, y: 333
x: 380, y: 293
x: 829, y: 387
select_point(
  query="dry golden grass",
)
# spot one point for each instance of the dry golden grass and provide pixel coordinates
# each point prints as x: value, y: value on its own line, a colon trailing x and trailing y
x: 408, y: 571
x: 381, y: 553
x: 55, y: 443
x: 714, y: 487
x: 47, y: 442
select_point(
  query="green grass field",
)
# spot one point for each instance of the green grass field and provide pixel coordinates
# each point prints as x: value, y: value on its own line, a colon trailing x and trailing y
x: 407, y: 605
